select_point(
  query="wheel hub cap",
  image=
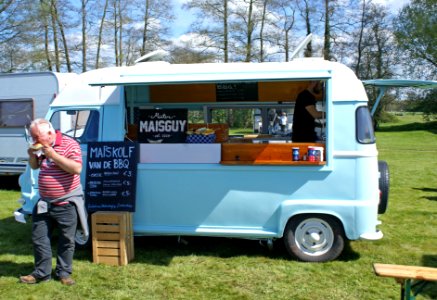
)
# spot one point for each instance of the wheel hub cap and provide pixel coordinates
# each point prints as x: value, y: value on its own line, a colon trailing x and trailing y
x: 314, y: 237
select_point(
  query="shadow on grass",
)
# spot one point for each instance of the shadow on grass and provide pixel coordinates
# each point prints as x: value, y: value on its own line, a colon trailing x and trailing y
x: 429, y: 261
x: 10, y: 268
x: 161, y: 250
x: 158, y: 250
x: 9, y: 183
x: 348, y: 254
x: 429, y: 190
x: 15, y: 237
x: 430, y: 288
x: 428, y: 126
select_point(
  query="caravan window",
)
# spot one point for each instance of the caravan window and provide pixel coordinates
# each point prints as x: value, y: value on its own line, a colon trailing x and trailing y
x: 16, y: 113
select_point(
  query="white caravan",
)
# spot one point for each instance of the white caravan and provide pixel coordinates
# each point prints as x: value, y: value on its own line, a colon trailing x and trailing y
x: 24, y: 97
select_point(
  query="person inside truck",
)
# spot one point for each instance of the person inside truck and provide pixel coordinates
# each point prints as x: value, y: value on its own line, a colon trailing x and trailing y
x: 305, y: 114
x: 283, y: 121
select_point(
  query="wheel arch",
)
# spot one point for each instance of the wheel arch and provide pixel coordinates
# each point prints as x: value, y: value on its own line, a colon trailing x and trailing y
x: 355, y: 216
x: 314, y: 237
x: 333, y: 215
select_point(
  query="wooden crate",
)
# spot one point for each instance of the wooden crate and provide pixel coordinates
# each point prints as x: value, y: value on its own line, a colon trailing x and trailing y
x: 112, y: 234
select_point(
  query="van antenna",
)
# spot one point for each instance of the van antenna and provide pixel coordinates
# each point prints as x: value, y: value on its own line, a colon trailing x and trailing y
x: 301, y: 45
x: 157, y: 55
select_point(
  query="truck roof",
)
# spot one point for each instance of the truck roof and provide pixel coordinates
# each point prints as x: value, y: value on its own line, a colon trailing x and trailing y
x: 166, y: 73
x: 345, y: 85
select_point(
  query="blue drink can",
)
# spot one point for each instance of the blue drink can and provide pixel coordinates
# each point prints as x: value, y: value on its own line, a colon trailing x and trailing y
x: 311, y: 154
x: 295, y: 153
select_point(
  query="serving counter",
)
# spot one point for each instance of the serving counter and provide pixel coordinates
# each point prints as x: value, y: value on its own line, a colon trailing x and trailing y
x: 180, y: 153
x: 228, y: 153
x: 266, y: 154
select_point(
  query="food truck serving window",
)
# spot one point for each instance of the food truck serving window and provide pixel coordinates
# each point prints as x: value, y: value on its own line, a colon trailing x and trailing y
x: 365, y: 132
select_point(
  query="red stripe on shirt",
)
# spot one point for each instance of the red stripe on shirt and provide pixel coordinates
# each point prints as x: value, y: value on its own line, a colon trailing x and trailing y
x: 53, y: 181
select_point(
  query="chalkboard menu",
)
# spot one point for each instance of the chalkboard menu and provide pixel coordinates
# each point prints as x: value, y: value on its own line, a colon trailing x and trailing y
x: 162, y: 125
x: 111, y: 176
x: 237, y: 91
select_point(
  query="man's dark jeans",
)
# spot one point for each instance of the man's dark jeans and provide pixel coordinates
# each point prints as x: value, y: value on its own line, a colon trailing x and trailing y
x: 65, y: 218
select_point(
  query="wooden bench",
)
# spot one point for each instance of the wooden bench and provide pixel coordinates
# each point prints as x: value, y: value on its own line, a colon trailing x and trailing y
x: 404, y: 275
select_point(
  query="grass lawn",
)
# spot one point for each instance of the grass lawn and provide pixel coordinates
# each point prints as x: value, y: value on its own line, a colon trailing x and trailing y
x: 215, y: 268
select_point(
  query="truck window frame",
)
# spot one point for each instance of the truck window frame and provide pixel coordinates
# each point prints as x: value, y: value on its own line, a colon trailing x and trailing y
x: 365, y: 133
x: 91, y: 124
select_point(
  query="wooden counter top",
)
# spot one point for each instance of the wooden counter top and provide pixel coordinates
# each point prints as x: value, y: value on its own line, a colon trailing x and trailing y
x: 274, y: 163
x: 265, y: 154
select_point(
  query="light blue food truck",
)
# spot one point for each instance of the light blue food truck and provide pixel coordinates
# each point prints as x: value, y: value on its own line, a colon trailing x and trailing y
x: 237, y: 185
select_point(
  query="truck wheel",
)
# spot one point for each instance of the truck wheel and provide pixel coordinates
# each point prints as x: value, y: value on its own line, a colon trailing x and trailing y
x: 314, y: 238
x: 81, y: 241
x: 384, y: 186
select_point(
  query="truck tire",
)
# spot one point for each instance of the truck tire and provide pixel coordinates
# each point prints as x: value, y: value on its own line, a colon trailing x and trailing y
x: 314, y: 238
x: 384, y: 186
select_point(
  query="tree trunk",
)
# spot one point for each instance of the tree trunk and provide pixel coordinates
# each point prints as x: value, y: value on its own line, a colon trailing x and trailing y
x: 327, y: 42
x: 84, y: 40
x: 145, y: 28
x: 225, y: 31
x: 43, y: 14
x: 99, y: 42
x: 55, y: 34
x: 120, y: 32
x: 116, y: 35
x: 309, y: 48
x: 261, y: 32
x: 64, y: 39
x: 250, y: 27
x: 360, y: 40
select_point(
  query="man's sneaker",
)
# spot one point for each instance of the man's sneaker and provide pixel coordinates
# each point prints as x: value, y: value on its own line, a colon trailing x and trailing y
x: 30, y: 279
x: 67, y: 281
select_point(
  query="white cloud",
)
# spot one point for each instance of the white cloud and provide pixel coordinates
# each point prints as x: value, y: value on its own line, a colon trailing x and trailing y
x: 183, y: 20
x: 394, y: 5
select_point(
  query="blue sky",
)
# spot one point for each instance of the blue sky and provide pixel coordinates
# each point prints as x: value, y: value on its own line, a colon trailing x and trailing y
x: 184, y: 17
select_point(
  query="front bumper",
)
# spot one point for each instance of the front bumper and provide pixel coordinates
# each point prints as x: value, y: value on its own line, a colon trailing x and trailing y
x: 372, y: 236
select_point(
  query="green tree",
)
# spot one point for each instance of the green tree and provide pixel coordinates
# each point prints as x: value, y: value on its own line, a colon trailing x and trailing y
x: 16, y: 33
x: 284, y: 23
x: 416, y: 30
x: 212, y: 24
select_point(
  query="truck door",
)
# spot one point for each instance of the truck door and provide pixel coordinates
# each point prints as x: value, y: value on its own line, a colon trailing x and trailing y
x: 82, y: 125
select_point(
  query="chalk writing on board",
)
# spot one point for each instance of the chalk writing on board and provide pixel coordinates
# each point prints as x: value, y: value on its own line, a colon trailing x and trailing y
x: 238, y: 91
x: 111, y: 176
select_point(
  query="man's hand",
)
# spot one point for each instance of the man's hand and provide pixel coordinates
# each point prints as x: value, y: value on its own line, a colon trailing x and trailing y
x: 33, y: 159
x: 67, y: 164
x: 49, y: 152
